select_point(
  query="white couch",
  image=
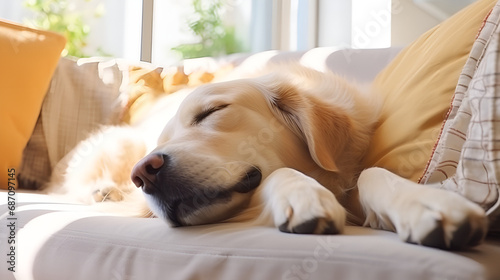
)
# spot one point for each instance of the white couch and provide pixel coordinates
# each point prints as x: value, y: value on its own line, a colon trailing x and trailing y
x: 59, y: 240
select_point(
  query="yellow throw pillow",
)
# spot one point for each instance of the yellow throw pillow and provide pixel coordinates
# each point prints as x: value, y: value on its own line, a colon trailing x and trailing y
x: 28, y: 58
x: 417, y: 87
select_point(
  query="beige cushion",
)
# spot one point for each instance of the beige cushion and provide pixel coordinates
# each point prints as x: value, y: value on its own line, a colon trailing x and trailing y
x: 63, y: 241
x: 82, y: 96
x: 417, y: 87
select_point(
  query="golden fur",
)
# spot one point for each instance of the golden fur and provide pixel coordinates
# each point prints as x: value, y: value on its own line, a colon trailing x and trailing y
x: 283, y: 149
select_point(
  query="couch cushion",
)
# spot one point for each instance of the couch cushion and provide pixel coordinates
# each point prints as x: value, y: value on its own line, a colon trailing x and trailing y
x: 63, y: 241
x: 417, y: 87
x: 28, y: 58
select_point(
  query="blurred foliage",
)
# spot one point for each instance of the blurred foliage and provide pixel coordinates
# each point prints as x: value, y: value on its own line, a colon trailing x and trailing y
x: 57, y: 16
x: 214, y: 37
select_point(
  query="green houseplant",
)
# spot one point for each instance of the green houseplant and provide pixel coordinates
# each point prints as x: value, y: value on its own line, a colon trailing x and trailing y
x: 215, y: 38
x: 57, y: 16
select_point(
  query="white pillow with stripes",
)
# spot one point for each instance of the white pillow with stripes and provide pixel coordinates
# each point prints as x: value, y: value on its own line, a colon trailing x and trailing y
x: 466, y: 158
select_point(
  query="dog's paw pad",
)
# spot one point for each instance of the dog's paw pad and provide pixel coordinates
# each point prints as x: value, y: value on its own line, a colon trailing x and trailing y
x: 331, y: 228
x: 467, y: 236
x: 451, y: 223
x: 303, y: 228
x: 464, y: 236
x: 435, y: 238
x: 474, y: 238
x: 322, y: 216
x: 307, y: 226
x: 315, y: 225
x: 300, y: 204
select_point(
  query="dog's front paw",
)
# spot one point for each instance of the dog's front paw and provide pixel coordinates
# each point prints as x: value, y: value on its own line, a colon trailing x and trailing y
x: 108, y: 190
x: 301, y: 205
x: 441, y: 219
x: 107, y: 194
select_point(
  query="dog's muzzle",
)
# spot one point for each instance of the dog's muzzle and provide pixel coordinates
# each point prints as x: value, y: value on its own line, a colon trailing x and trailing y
x: 180, y: 195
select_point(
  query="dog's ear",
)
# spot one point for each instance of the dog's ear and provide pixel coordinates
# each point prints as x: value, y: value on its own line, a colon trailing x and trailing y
x: 324, y: 127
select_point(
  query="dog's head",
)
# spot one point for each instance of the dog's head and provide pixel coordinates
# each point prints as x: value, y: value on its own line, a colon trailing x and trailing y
x: 226, y: 137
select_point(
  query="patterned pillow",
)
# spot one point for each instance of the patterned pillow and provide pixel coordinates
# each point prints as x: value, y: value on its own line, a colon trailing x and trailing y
x: 82, y: 96
x: 466, y: 158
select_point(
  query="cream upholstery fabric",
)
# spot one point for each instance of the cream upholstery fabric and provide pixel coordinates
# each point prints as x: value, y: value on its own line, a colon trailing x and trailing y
x: 62, y: 241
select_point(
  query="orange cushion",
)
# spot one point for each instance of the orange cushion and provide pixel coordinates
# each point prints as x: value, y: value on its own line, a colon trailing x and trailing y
x: 417, y: 87
x: 28, y: 59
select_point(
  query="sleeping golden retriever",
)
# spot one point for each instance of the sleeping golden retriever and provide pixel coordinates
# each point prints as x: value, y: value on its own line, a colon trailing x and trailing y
x: 283, y: 149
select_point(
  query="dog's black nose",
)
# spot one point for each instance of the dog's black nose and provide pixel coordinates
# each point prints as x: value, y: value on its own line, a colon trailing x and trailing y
x: 144, y: 172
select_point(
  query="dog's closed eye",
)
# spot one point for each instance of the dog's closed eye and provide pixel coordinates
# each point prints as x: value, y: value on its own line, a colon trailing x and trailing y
x: 198, y: 118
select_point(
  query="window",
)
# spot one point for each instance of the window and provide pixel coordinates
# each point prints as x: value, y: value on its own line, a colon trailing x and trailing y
x: 204, y: 28
x: 150, y: 29
x: 114, y: 26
